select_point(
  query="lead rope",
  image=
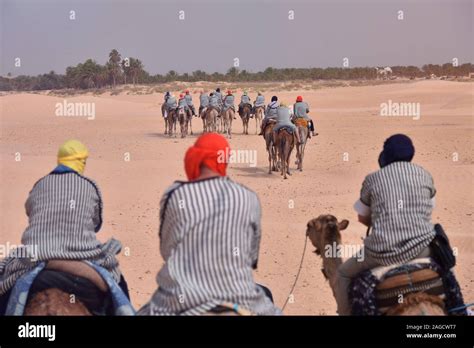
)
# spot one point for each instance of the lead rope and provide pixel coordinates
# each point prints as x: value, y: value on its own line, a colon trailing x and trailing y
x: 297, y: 274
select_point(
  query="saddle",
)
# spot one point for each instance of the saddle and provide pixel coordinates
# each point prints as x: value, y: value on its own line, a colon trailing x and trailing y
x: 300, y: 122
x: 60, y: 279
x: 80, y: 269
x: 228, y: 309
x: 269, y: 123
x: 404, y: 281
x: 380, y: 288
x: 289, y: 129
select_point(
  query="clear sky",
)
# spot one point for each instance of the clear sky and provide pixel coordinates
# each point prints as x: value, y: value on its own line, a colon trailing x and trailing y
x: 214, y: 32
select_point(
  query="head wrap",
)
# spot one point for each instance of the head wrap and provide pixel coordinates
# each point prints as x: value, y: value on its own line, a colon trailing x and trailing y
x: 396, y: 148
x: 211, y: 150
x: 73, y: 154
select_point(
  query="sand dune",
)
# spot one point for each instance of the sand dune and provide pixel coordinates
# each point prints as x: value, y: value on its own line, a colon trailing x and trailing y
x: 348, y: 121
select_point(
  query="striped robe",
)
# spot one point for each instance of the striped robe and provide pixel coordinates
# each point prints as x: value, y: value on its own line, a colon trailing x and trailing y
x: 400, y: 197
x: 210, y: 237
x: 65, y: 213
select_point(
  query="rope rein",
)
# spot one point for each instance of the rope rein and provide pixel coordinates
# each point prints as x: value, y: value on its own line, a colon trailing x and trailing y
x: 297, y: 274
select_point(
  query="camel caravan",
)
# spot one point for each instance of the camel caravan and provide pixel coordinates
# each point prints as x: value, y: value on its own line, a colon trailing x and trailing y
x: 283, y: 127
x: 62, y: 269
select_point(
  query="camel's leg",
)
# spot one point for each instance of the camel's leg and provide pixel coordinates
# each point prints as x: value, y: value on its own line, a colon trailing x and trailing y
x: 302, y: 156
x: 269, y: 161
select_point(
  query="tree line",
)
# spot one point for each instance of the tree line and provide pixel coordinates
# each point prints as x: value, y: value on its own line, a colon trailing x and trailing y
x: 118, y: 70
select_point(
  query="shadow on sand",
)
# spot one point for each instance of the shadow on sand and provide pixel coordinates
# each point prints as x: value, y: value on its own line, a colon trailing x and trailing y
x: 255, y: 172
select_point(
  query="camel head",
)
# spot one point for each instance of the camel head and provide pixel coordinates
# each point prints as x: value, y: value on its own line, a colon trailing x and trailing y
x: 324, y: 230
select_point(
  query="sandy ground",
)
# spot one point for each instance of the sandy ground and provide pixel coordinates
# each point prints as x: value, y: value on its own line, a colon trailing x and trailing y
x: 348, y: 122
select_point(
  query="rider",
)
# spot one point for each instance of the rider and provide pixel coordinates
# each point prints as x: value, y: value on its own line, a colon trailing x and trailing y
x: 214, y: 102
x: 270, y: 114
x: 244, y: 100
x: 397, y: 201
x: 189, y: 101
x: 229, y: 102
x: 201, y: 271
x: 64, y: 210
x: 259, y: 101
x: 204, y: 101
x: 300, y: 110
x: 283, y: 120
x: 163, y: 106
x: 219, y: 96
x: 171, y: 103
x: 182, y: 103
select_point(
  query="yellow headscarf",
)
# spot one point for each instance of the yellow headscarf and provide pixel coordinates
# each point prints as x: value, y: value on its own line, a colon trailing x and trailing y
x: 73, y: 154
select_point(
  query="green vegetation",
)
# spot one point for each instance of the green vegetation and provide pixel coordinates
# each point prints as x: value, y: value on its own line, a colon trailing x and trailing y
x: 91, y: 75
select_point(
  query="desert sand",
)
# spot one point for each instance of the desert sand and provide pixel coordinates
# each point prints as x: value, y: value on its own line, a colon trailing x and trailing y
x: 348, y: 120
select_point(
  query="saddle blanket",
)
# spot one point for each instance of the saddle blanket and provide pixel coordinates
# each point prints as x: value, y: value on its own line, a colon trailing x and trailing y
x: 363, y: 292
x: 19, y: 294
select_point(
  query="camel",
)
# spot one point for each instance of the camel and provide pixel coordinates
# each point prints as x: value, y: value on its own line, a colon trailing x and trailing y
x: 259, y: 111
x: 210, y: 120
x: 54, y: 301
x: 219, y: 121
x: 189, y: 120
x: 165, y: 117
x: 302, y: 129
x: 245, y: 116
x: 271, y: 148
x: 227, y: 118
x: 183, y: 121
x: 172, y: 121
x: 325, y: 230
x: 285, y: 142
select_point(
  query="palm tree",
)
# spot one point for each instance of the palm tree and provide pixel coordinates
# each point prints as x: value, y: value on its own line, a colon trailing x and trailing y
x: 136, y: 68
x: 126, y: 70
x: 114, y: 61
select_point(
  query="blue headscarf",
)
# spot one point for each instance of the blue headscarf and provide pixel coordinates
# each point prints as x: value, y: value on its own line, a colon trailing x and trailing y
x: 396, y: 148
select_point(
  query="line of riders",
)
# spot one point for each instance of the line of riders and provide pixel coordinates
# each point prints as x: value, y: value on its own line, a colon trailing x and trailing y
x: 274, y: 112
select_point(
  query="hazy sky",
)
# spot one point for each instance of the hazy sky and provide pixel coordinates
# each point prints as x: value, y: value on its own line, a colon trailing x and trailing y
x: 214, y: 32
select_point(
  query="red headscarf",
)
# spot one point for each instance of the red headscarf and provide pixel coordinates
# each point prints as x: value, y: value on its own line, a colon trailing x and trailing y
x: 210, y: 149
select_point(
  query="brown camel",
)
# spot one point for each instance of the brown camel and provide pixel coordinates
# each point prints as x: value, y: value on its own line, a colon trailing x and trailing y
x: 258, y: 117
x: 210, y: 120
x: 54, y: 301
x: 189, y: 120
x: 302, y: 129
x: 227, y: 118
x: 183, y: 121
x: 284, y: 142
x: 245, y: 116
x: 271, y: 148
x: 172, y: 121
x: 325, y: 231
